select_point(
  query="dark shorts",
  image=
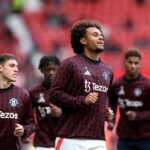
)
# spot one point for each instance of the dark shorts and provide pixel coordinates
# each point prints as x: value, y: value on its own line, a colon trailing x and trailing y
x: 142, y: 144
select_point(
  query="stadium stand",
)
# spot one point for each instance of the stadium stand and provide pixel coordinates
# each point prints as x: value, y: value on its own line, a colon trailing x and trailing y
x: 128, y: 22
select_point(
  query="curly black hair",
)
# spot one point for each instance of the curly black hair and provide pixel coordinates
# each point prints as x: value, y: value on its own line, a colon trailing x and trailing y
x: 78, y: 31
x: 45, y: 60
x: 132, y: 51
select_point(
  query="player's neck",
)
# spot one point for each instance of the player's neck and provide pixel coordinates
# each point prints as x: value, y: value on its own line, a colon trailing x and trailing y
x: 47, y: 83
x: 4, y: 84
x: 90, y: 55
x: 128, y: 77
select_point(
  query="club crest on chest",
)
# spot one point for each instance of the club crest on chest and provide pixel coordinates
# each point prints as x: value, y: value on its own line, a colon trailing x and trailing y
x: 13, y: 102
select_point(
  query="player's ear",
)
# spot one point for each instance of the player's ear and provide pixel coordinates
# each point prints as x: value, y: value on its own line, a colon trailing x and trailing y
x: 1, y: 68
x: 139, y: 63
x: 83, y: 41
x: 41, y: 70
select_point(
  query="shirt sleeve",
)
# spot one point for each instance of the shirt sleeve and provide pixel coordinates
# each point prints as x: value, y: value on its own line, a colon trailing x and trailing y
x: 28, y: 120
x: 59, y: 92
x: 32, y: 99
x: 145, y: 114
x: 113, y: 100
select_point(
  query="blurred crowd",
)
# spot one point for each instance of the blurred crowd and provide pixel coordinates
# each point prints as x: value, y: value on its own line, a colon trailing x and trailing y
x: 32, y: 28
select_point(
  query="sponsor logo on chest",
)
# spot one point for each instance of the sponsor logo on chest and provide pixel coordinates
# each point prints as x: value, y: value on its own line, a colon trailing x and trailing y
x: 92, y: 86
x: 8, y: 115
x: 129, y: 103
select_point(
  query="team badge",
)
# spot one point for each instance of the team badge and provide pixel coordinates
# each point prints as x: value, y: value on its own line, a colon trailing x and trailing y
x: 121, y: 91
x: 137, y: 92
x: 106, y: 76
x: 13, y: 102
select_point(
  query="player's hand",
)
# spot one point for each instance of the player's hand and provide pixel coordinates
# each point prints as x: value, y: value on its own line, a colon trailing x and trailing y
x: 55, y: 110
x: 131, y: 115
x: 109, y: 115
x: 110, y: 126
x: 91, y: 98
x: 19, y: 130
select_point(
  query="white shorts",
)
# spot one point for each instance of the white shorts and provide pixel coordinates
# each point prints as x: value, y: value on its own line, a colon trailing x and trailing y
x: 79, y: 144
x: 44, y: 148
x: 27, y: 146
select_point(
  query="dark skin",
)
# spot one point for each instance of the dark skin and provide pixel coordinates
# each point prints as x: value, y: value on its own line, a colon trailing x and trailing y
x: 49, y: 72
x: 132, y: 65
x: 93, y: 43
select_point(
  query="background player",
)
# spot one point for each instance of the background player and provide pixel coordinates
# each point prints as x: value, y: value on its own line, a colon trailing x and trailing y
x: 46, y: 114
x: 132, y: 93
x: 16, y: 116
x: 80, y: 89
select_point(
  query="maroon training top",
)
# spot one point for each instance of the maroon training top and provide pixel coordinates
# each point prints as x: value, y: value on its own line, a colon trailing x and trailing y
x: 45, y: 133
x: 15, y: 107
x: 132, y: 95
x: 76, y: 77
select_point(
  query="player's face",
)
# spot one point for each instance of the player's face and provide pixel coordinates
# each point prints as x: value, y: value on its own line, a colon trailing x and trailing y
x: 94, y: 40
x: 9, y: 70
x: 49, y: 72
x: 132, y: 65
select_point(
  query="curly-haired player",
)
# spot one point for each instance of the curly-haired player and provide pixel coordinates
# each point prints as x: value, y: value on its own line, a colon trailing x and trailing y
x: 80, y: 89
x: 46, y: 114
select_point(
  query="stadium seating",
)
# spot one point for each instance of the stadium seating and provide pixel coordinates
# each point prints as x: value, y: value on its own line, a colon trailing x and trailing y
x: 113, y: 13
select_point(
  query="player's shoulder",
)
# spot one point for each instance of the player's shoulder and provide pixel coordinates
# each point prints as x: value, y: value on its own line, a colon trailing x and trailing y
x: 118, y: 81
x: 72, y: 59
x: 145, y: 78
x: 20, y: 90
x: 36, y: 87
x: 69, y: 62
x: 107, y: 66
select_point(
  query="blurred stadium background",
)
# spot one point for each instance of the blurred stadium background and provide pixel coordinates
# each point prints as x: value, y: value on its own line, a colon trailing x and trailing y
x: 33, y: 28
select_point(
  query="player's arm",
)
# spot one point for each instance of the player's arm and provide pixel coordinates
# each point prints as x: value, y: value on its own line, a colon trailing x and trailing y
x: 33, y: 103
x: 19, y: 130
x: 145, y: 115
x: 133, y: 115
x: 109, y: 115
x: 141, y: 115
x: 28, y: 119
x: 55, y: 111
x: 58, y: 91
x: 112, y: 103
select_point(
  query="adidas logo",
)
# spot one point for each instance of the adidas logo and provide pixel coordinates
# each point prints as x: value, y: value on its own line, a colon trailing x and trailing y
x: 41, y: 98
x: 87, y: 73
x: 121, y: 91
